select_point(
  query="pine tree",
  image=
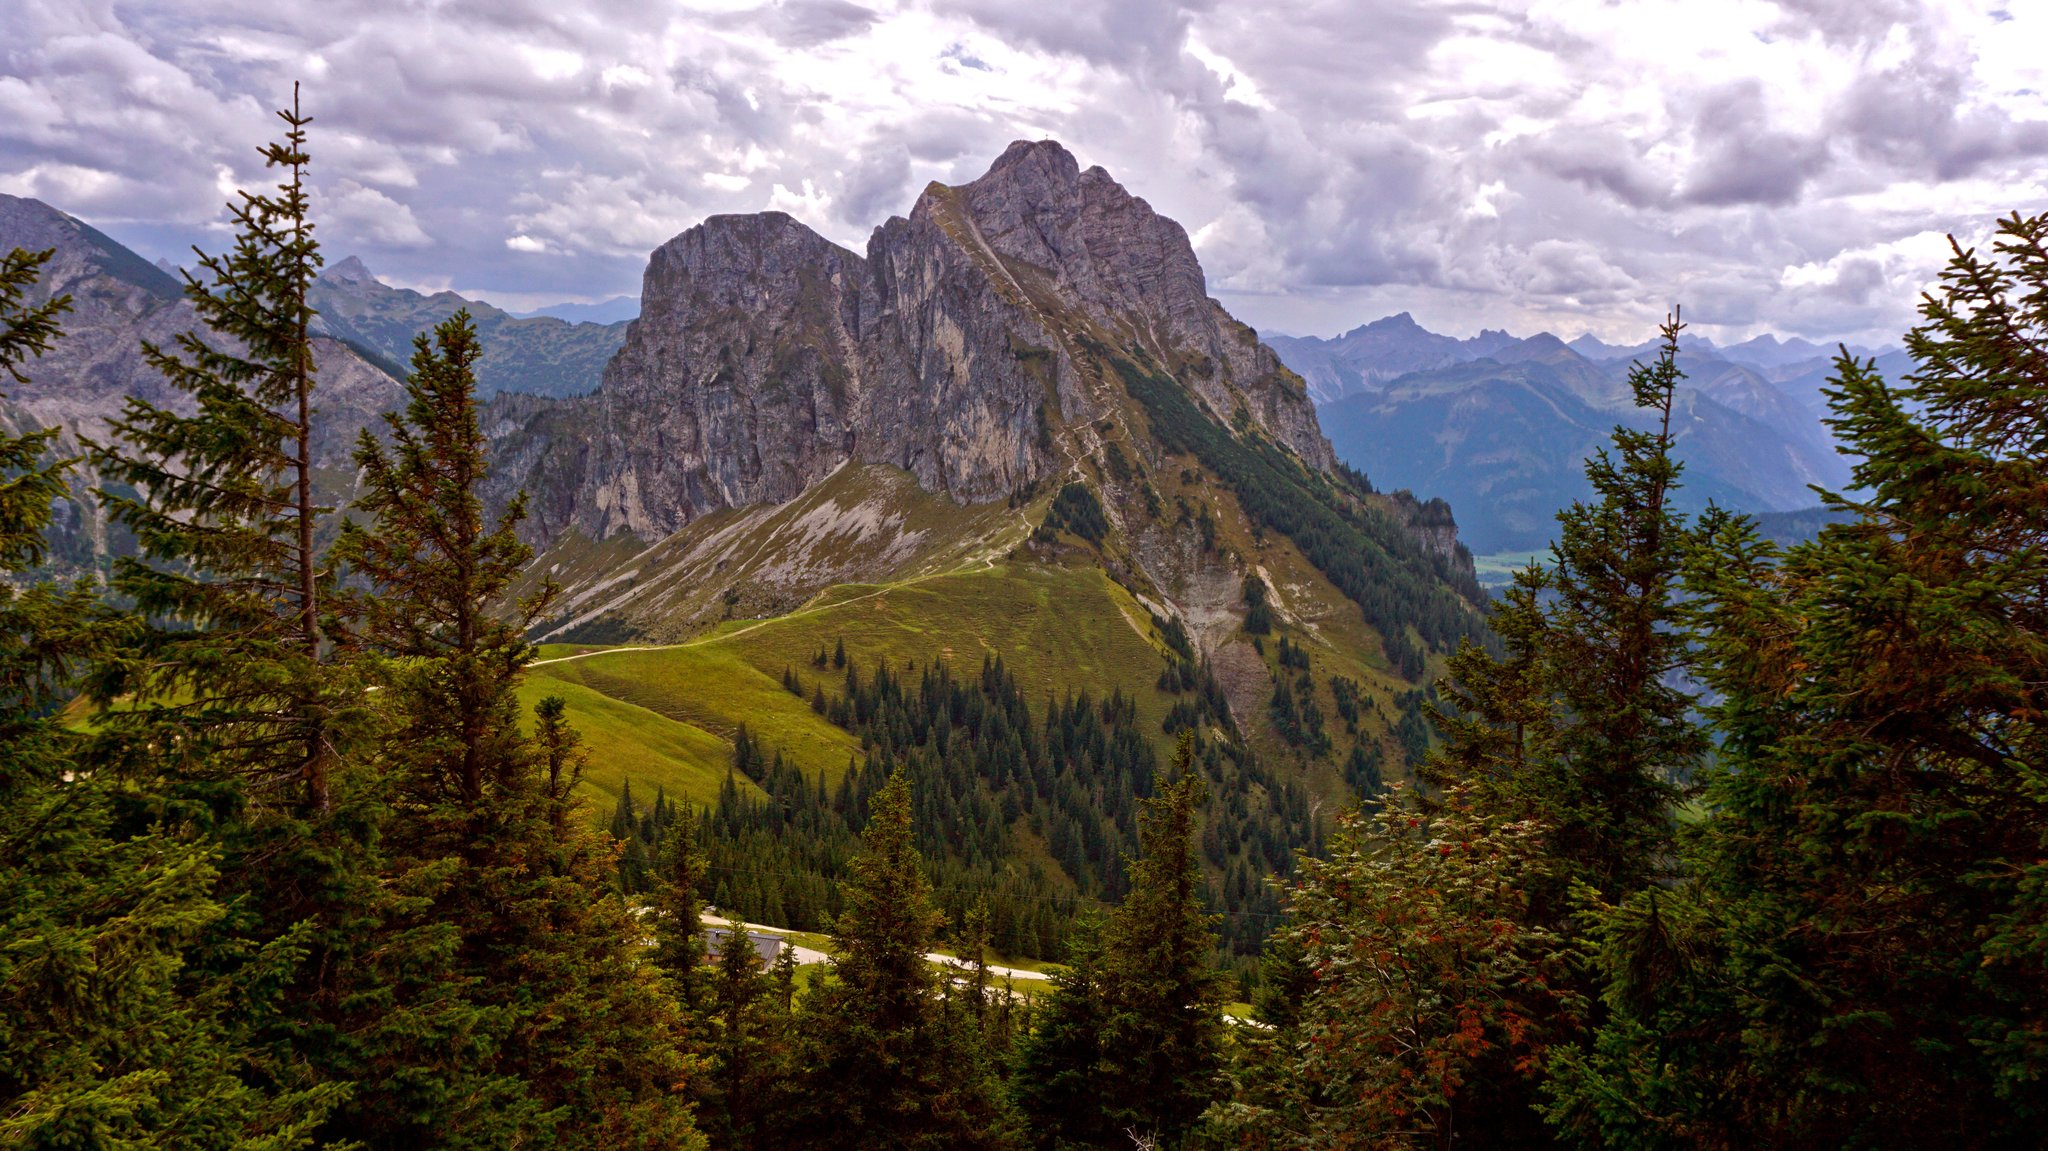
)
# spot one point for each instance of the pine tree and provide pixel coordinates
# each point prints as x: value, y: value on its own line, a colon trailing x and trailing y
x: 489, y: 830
x: 742, y: 1073
x: 1858, y: 957
x: 1130, y: 1045
x: 441, y: 573
x: 107, y: 1038
x: 1057, y: 1085
x: 884, y: 1071
x: 238, y: 674
x: 1578, y: 724
x: 678, y: 919
x: 1162, y: 1039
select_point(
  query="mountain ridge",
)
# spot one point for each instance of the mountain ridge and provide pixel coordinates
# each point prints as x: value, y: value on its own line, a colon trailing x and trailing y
x: 1499, y: 425
x: 537, y: 355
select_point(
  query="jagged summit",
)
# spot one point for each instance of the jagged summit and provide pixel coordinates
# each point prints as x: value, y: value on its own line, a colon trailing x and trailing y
x: 955, y: 348
x: 1399, y: 322
x: 351, y: 270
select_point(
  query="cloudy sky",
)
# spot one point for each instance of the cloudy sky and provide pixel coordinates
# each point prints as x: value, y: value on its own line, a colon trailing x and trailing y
x: 1774, y: 165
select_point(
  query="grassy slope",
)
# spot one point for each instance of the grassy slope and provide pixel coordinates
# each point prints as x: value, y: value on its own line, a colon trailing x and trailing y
x: 629, y: 742
x: 1058, y: 628
x: 706, y: 691
x: 1055, y: 627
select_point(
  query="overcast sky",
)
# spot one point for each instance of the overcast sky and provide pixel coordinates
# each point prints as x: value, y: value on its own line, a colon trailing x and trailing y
x: 1774, y: 165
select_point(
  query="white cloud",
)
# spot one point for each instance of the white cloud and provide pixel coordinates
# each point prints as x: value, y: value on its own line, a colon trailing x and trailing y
x: 360, y: 215
x: 1567, y: 163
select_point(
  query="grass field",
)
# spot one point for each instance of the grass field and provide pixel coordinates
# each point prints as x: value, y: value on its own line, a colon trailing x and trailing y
x: 685, y: 705
x: 1498, y: 570
x: 1055, y: 628
x: 667, y: 716
x: 626, y: 741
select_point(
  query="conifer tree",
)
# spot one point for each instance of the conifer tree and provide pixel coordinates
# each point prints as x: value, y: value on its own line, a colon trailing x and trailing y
x: 1163, y: 1035
x: 1578, y: 724
x: 743, y: 1072
x: 1130, y: 1046
x: 441, y: 570
x: 884, y: 1072
x: 488, y: 826
x: 1858, y: 957
x: 225, y: 517
x: 235, y: 703
x: 678, y: 918
x: 1424, y: 984
x: 107, y: 1039
x: 1057, y: 1086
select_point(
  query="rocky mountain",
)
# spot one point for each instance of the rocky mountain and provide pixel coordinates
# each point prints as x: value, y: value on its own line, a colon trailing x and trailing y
x: 1013, y: 434
x: 542, y: 355
x: 957, y: 349
x: 1500, y: 426
x: 118, y: 301
x: 1020, y: 382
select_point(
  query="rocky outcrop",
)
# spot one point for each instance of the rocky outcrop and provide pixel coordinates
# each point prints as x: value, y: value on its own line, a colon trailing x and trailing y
x: 955, y: 348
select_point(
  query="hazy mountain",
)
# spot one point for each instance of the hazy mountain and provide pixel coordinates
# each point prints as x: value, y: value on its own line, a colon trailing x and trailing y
x: 1505, y: 442
x: 616, y: 310
x: 1501, y: 427
x: 1371, y: 354
x: 543, y: 356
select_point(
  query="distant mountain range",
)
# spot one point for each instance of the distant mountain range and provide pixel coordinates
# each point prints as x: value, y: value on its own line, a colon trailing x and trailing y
x: 616, y: 310
x: 1500, y: 426
x: 538, y: 355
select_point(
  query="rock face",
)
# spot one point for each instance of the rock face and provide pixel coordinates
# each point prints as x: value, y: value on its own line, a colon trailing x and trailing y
x: 119, y: 300
x: 765, y: 356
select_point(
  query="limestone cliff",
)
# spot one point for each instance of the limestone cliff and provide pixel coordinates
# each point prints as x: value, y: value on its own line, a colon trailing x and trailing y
x: 957, y: 348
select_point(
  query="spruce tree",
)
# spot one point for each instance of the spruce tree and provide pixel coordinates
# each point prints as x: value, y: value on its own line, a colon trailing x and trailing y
x: 1579, y: 723
x: 224, y: 516
x: 1057, y: 1085
x: 441, y: 571
x: 1858, y: 958
x: 678, y: 917
x: 232, y: 701
x: 741, y: 1076
x: 489, y: 826
x: 883, y: 1070
x: 107, y: 1037
x: 1162, y: 1037
x: 1131, y: 1044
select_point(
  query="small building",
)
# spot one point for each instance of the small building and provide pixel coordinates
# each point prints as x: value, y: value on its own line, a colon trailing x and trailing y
x: 766, y: 946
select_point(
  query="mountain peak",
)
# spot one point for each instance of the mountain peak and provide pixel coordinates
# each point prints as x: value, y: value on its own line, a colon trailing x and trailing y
x: 1398, y: 322
x: 350, y: 271
x: 1038, y: 157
